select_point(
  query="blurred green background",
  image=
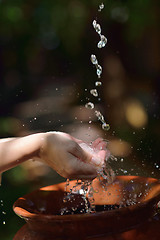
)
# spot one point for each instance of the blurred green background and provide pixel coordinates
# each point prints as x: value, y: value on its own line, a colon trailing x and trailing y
x: 46, y: 76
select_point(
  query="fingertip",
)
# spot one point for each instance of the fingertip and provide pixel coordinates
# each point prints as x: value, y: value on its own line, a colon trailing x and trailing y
x: 96, y: 142
x: 102, y: 154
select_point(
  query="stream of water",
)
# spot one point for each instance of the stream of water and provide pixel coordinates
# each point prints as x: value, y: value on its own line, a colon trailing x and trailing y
x: 105, y: 172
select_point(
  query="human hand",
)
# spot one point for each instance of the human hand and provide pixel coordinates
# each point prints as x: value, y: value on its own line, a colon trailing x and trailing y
x: 71, y: 157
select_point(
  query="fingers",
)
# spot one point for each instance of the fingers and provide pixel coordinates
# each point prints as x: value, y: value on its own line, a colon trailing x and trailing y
x: 96, y: 142
x: 77, y: 140
x: 98, y: 159
x: 78, y: 169
x: 99, y: 144
x: 102, y: 154
x: 80, y: 153
x: 88, y: 155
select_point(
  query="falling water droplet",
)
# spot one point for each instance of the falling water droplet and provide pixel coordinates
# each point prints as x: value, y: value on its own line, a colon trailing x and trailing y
x: 105, y: 126
x: 98, y: 84
x: 94, y: 92
x: 99, y: 45
x: 94, y: 23
x: 4, y: 222
x: 101, y: 6
x: 1, y: 203
x: 97, y: 27
x: 89, y: 105
x: 94, y: 59
x: 99, y: 71
x: 99, y: 116
x: 102, y: 43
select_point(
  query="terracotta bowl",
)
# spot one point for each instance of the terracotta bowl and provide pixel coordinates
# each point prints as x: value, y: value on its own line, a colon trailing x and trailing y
x: 127, y: 203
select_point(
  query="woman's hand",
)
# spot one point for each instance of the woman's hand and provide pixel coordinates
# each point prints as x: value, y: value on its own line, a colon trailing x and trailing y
x: 71, y: 157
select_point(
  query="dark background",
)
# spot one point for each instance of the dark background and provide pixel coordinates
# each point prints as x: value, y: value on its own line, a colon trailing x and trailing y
x: 46, y: 76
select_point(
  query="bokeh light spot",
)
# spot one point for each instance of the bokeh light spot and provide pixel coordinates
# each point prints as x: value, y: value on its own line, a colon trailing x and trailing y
x: 136, y: 114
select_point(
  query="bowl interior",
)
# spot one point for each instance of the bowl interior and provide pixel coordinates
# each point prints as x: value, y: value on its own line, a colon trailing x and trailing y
x: 124, y: 191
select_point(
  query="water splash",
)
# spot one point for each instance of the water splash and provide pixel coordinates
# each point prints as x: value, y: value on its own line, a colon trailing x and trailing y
x: 103, y: 40
x: 101, y: 7
x: 105, y: 172
x: 102, y: 43
x: 98, y: 84
x: 94, y: 92
x: 89, y: 105
x: 98, y: 67
x: 94, y: 59
x: 105, y: 126
x: 99, y: 116
x: 97, y: 26
x: 99, y: 70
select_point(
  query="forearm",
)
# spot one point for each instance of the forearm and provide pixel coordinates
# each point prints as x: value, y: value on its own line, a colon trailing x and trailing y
x: 17, y: 150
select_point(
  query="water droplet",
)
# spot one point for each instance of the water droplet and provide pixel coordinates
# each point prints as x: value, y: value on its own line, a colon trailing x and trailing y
x: 3, y: 212
x: 99, y: 71
x: 97, y: 27
x: 94, y: 23
x: 89, y: 105
x: 98, y: 84
x: 101, y: 6
x: 4, y: 222
x: 94, y: 59
x: 102, y: 43
x: 99, y: 116
x: 105, y: 126
x: 99, y: 45
x: 94, y: 92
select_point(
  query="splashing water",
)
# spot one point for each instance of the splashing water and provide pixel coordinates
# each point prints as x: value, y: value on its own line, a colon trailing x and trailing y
x: 105, y: 126
x: 89, y: 105
x: 100, y: 116
x: 101, y: 7
x: 99, y: 70
x: 97, y: 27
x: 94, y: 92
x: 105, y: 172
x: 102, y: 43
x: 105, y: 175
x: 103, y: 40
x: 98, y: 84
x: 94, y: 59
x: 98, y: 67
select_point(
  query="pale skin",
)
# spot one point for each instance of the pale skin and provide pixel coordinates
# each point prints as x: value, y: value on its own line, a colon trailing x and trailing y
x: 62, y: 152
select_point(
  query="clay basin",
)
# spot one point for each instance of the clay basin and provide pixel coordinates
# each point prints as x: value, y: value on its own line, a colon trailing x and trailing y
x: 129, y: 202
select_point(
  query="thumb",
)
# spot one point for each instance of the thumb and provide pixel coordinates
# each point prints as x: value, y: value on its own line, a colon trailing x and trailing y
x: 87, y: 154
x: 98, y: 158
x: 82, y: 153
